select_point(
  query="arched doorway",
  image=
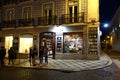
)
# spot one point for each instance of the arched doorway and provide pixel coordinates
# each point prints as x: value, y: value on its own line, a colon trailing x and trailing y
x: 47, y: 39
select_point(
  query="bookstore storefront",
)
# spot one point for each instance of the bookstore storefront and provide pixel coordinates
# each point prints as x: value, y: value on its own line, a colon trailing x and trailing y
x: 69, y: 42
x: 66, y: 39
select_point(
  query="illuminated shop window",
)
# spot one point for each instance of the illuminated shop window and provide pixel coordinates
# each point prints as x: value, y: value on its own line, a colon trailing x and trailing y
x: 25, y: 44
x: 73, y: 42
x: 8, y: 43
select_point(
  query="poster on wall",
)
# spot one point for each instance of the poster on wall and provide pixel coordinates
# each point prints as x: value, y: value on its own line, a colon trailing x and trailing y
x: 73, y: 42
x: 59, y: 44
x: 15, y: 43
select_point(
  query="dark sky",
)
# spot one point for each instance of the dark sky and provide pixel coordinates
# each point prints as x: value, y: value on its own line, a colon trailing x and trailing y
x: 108, y: 9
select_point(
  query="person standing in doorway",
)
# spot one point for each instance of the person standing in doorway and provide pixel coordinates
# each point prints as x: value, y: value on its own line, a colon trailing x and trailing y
x: 46, y: 55
x: 41, y: 52
x: 30, y: 55
x: 35, y: 53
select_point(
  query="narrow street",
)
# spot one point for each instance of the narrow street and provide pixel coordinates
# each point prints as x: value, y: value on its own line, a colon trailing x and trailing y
x: 109, y: 73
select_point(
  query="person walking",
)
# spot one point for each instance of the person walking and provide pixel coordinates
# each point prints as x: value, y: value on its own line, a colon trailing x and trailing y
x: 11, y: 55
x: 41, y: 52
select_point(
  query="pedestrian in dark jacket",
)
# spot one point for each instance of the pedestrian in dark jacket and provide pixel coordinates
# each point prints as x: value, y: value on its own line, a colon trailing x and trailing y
x: 2, y: 55
x: 41, y: 52
x: 35, y: 53
x: 31, y: 55
x: 11, y: 55
x: 46, y: 55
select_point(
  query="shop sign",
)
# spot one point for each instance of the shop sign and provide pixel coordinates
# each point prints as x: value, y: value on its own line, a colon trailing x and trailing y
x: 48, y: 34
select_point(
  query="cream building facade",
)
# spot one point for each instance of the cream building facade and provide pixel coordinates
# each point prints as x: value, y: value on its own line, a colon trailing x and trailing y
x: 63, y: 26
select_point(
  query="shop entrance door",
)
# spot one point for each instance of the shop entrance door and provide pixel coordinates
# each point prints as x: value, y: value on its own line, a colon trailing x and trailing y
x: 47, y: 39
x: 8, y: 43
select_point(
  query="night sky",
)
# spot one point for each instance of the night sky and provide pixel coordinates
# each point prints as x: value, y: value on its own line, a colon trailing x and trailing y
x: 108, y: 9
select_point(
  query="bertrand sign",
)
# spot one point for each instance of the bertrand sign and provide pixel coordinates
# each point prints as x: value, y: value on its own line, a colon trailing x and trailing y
x: 47, y: 34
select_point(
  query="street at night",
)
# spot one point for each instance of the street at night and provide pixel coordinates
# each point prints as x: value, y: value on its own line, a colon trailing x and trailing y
x: 59, y: 39
x: 111, y: 72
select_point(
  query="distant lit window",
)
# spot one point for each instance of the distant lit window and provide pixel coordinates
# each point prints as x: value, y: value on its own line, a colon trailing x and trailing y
x: 119, y: 25
x: 115, y: 28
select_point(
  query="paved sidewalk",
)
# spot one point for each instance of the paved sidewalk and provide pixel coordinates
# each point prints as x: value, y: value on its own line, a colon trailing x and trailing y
x: 66, y: 65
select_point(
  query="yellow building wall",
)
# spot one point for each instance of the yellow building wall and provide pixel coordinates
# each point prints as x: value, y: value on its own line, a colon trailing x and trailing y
x: 93, y: 10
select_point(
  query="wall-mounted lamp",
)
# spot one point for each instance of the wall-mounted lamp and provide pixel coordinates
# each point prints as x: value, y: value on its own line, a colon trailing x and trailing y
x: 93, y: 22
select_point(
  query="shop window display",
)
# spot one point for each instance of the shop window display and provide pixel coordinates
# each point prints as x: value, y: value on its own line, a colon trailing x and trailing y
x: 73, y: 42
x: 8, y: 43
x: 25, y: 44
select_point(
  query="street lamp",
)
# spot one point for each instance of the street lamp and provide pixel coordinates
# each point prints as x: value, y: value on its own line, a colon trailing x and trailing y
x: 106, y: 25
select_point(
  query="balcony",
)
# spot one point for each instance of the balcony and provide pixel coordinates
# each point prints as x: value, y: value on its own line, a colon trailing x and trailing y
x: 41, y: 21
x: 72, y: 18
x: 25, y: 22
x: 9, y: 23
x: 48, y: 20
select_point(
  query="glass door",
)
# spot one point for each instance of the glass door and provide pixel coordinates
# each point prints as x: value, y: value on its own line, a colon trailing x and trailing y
x: 8, y: 43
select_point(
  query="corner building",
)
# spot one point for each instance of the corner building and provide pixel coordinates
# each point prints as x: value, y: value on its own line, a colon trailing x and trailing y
x: 63, y: 26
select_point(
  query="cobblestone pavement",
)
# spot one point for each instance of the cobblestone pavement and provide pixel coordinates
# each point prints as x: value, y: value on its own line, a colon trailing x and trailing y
x: 111, y: 72
x: 66, y: 65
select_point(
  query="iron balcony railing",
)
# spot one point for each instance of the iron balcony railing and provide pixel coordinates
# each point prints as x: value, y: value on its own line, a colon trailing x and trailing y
x: 72, y: 18
x: 26, y: 22
x: 8, y: 23
x: 47, y: 20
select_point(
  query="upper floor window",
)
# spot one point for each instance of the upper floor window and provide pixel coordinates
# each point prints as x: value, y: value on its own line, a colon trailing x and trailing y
x: 48, y: 9
x: 73, y: 10
x: 73, y: 6
x: 48, y: 12
x: 10, y: 14
x: 27, y: 12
